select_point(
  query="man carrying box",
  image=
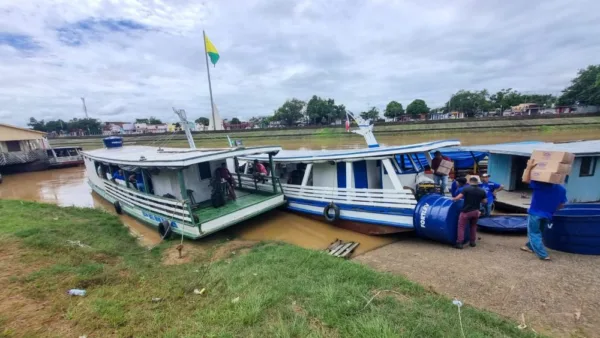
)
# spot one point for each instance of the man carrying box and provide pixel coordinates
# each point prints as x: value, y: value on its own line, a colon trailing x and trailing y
x: 546, y: 199
x: 441, y: 167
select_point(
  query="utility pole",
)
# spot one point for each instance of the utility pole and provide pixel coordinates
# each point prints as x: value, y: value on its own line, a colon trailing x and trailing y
x: 84, y: 107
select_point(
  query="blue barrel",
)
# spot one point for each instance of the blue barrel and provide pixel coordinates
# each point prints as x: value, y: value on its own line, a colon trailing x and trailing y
x: 575, y: 230
x: 436, y: 218
x: 113, y: 142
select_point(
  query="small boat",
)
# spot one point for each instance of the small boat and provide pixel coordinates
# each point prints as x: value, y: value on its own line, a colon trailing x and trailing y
x: 64, y: 156
x: 180, y: 190
x: 371, y: 190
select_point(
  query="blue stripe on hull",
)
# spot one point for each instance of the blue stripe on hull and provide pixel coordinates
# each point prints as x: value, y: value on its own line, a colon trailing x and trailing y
x: 359, y: 208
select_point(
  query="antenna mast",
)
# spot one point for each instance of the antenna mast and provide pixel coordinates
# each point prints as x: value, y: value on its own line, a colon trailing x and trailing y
x: 183, y: 118
x: 84, y: 107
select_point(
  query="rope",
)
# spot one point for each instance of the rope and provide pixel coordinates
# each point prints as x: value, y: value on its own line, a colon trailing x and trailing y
x: 459, y: 304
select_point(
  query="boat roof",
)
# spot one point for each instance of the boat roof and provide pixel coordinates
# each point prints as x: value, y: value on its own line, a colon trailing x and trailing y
x: 578, y: 148
x: 146, y: 156
x: 344, y: 154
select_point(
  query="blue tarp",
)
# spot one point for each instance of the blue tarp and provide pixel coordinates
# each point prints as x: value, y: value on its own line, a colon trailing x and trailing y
x: 504, y: 224
x: 462, y: 159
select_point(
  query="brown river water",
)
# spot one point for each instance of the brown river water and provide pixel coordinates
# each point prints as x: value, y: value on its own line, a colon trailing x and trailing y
x: 68, y: 187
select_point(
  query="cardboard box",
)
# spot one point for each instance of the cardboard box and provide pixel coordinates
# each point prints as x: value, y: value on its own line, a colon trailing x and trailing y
x: 547, y: 176
x: 443, y: 170
x: 553, y: 156
x: 556, y: 167
x: 446, y: 164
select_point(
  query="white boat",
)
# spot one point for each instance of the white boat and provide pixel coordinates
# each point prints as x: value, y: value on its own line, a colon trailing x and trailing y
x: 179, y: 190
x: 64, y: 156
x: 370, y: 190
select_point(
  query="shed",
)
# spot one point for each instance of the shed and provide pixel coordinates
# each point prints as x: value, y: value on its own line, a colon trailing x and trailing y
x: 508, y: 161
x: 21, y: 146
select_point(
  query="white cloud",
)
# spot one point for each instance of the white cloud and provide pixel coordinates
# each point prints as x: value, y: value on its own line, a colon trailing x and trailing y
x: 135, y: 58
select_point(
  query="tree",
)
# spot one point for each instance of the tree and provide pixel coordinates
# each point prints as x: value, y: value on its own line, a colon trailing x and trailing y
x: 154, y: 120
x: 261, y: 121
x: 142, y: 121
x: 290, y: 112
x: 372, y: 114
x: 393, y: 110
x: 417, y: 107
x: 584, y: 89
x: 320, y: 110
x: 89, y: 125
x: 203, y: 120
x: 235, y: 120
x: 37, y: 125
x: 177, y: 126
x: 469, y: 102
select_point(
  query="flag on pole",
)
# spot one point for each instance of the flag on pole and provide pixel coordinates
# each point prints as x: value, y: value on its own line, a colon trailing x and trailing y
x: 347, y: 123
x: 211, y: 50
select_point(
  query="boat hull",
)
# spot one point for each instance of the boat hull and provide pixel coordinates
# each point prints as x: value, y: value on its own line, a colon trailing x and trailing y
x: 358, y: 218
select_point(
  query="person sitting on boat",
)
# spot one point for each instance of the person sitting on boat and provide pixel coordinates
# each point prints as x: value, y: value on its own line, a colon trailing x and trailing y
x: 546, y: 199
x: 132, y: 181
x: 119, y: 177
x: 297, y: 175
x: 458, y: 186
x: 491, y: 188
x: 439, y: 178
x: 225, y: 175
x: 474, y: 196
x: 260, y: 172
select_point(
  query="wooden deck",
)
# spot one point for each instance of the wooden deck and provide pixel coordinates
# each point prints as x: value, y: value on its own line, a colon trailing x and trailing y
x: 206, y: 212
x: 518, y: 200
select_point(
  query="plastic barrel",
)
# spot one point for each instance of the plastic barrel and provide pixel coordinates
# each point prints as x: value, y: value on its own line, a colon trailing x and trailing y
x: 113, y: 142
x: 575, y: 230
x: 436, y: 218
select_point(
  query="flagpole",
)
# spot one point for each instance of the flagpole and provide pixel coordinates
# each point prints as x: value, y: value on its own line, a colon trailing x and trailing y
x: 212, y: 104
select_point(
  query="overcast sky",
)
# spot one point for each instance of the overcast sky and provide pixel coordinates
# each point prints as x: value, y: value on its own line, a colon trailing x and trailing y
x: 140, y: 58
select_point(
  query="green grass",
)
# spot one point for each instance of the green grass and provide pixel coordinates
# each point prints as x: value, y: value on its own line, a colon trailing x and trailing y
x: 284, y: 291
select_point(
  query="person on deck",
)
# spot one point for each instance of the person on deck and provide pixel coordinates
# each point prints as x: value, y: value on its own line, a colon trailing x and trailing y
x: 490, y: 188
x: 260, y: 172
x: 439, y: 178
x: 470, y: 213
x: 457, y: 186
x: 546, y: 199
x: 225, y: 175
x: 297, y: 175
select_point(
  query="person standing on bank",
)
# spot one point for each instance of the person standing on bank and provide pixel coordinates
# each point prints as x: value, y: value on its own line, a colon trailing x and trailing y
x: 546, y: 199
x: 490, y: 188
x: 474, y: 196
x: 439, y: 178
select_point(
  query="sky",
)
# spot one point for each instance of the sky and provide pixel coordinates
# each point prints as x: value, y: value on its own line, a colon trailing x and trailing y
x: 134, y: 58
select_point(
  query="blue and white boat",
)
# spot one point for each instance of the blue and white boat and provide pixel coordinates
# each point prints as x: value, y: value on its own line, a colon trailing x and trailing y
x: 370, y: 190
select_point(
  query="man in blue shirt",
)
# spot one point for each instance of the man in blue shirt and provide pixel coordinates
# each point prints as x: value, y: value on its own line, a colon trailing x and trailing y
x: 457, y: 186
x: 546, y: 199
x: 490, y: 188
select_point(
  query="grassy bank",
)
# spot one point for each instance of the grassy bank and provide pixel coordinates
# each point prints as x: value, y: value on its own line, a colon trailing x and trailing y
x: 281, y: 290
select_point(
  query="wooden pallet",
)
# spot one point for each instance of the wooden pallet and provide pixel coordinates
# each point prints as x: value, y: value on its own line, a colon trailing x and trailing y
x: 339, y: 248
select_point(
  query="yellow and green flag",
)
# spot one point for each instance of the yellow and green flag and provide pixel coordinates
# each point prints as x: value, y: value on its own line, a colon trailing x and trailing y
x: 211, y: 50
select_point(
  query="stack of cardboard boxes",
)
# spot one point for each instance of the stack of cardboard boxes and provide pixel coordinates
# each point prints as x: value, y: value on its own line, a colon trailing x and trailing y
x: 445, y: 167
x: 552, y: 166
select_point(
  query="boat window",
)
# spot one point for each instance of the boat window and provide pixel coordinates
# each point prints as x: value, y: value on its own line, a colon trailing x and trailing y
x: 13, y: 146
x: 588, y: 166
x: 204, y: 170
x: 416, y: 162
x: 72, y: 152
x: 405, y: 164
x: 49, y: 152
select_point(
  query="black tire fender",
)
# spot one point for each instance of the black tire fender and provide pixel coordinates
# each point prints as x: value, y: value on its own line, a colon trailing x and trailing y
x: 336, y: 210
x: 118, y: 208
x: 164, y: 229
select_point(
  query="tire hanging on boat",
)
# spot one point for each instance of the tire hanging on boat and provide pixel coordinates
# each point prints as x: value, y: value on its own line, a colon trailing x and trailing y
x: 118, y: 208
x: 164, y: 229
x: 336, y: 210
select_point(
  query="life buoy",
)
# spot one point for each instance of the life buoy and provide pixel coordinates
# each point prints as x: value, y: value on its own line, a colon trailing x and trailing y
x: 164, y: 229
x: 336, y: 210
x: 118, y: 208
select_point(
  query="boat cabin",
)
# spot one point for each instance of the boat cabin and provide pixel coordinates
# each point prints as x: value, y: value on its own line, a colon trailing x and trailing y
x: 64, y: 156
x: 193, y: 192
x: 508, y: 161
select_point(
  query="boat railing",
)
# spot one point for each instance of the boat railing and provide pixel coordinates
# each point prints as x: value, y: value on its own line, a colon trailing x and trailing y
x: 387, y: 198
x: 169, y: 208
x: 266, y: 185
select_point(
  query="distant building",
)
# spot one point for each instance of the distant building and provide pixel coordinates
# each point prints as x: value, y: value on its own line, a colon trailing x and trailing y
x: 526, y: 109
x: 22, y: 149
